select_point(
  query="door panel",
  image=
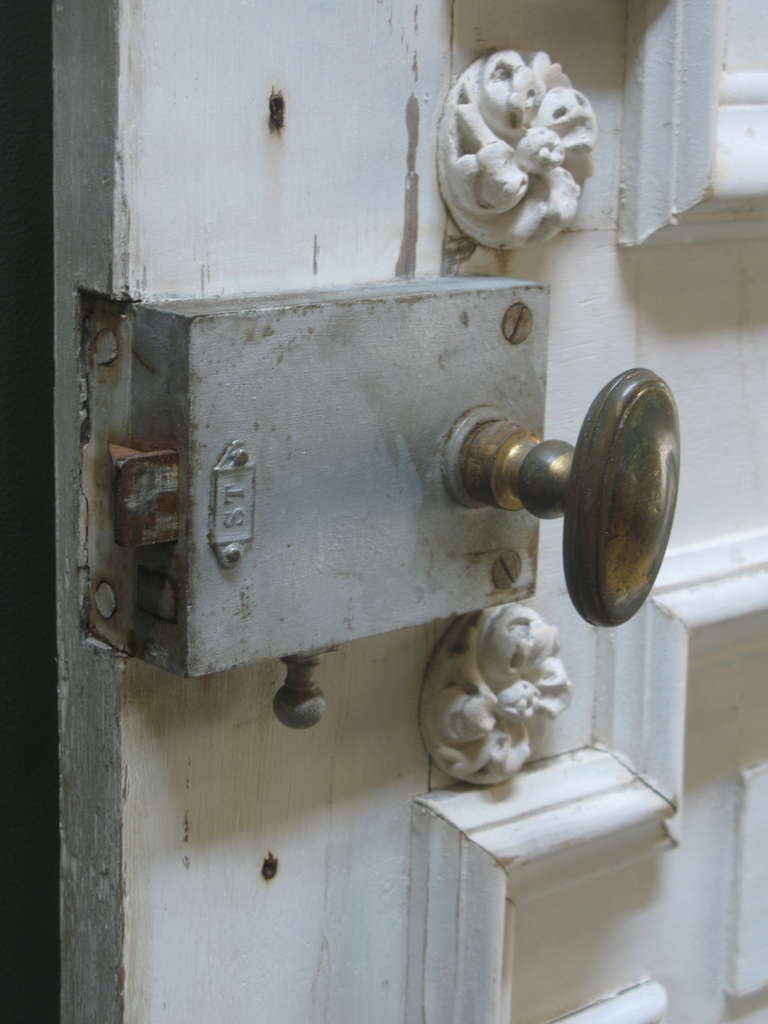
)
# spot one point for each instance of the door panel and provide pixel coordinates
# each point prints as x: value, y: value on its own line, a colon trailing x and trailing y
x: 218, y: 866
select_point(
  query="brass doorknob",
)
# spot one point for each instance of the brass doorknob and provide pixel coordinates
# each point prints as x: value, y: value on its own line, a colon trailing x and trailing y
x: 617, y: 489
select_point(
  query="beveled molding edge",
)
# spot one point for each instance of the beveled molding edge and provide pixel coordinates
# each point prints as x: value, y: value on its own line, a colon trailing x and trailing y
x: 475, y: 853
x: 514, y: 149
x: 693, y: 165
x: 644, y: 1003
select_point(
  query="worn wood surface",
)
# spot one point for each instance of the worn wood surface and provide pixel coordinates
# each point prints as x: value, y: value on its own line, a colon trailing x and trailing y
x: 92, y: 967
x: 215, y: 201
x: 216, y: 789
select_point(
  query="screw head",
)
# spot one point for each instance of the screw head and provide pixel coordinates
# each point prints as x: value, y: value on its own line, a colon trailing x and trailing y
x: 517, y: 323
x: 506, y: 570
x: 105, y: 600
x: 231, y: 554
x: 104, y: 347
x: 239, y: 457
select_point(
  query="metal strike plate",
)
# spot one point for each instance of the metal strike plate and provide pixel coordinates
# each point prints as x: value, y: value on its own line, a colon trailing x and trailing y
x: 310, y: 429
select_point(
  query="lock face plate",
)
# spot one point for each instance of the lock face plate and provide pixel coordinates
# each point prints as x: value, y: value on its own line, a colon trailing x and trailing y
x: 340, y: 404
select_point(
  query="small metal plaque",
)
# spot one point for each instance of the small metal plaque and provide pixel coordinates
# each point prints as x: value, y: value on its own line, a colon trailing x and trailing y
x: 232, y: 505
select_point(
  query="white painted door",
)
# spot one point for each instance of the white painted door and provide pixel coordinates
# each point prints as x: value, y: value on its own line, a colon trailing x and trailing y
x: 217, y: 866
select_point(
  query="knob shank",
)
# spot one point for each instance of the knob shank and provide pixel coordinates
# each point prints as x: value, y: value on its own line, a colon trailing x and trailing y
x: 544, y: 477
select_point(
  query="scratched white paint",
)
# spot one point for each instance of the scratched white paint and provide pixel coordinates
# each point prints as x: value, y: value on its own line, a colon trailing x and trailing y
x: 214, y: 784
x: 214, y: 203
x: 210, y: 202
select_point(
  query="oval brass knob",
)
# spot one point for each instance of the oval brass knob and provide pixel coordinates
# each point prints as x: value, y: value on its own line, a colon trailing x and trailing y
x: 617, y: 489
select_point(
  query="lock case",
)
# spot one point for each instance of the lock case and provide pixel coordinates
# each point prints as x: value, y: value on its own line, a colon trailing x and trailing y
x: 266, y: 476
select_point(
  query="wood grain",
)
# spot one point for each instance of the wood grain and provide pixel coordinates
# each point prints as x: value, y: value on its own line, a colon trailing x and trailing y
x: 85, y: 49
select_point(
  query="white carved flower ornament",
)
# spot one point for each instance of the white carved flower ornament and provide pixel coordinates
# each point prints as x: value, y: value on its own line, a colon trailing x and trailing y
x: 514, y: 149
x: 491, y: 674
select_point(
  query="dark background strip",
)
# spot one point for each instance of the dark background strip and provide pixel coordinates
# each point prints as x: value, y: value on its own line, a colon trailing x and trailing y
x: 29, y: 960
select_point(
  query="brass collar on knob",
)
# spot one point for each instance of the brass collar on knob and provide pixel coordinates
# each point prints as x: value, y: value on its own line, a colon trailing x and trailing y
x: 490, y: 461
x: 506, y: 466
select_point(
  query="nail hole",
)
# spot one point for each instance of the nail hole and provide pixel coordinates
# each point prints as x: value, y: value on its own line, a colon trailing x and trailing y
x: 269, y: 867
x: 276, y: 111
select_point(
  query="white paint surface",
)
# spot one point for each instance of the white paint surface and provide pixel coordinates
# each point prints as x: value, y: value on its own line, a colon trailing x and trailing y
x: 210, y: 202
x: 642, y: 1004
x: 695, y: 152
x: 213, y: 203
x: 749, y: 964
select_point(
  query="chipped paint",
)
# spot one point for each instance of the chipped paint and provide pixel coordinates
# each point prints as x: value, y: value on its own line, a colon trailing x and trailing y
x: 406, y: 262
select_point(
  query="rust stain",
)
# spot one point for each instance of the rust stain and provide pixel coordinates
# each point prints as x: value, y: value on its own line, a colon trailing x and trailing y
x: 503, y: 259
x: 315, y: 255
x: 145, y: 496
x: 406, y: 263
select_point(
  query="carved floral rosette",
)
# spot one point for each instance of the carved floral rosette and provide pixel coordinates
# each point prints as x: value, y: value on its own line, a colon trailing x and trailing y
x: 492, y: 673
x: 514, y: 149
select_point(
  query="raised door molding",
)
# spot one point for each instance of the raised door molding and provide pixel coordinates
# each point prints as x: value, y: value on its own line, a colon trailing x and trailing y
x: 476, y: 853
x: 749, y: 934
x: 695, y: 139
